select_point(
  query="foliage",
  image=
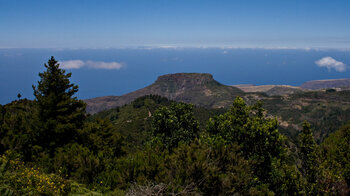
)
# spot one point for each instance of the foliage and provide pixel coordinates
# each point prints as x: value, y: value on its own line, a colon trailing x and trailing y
x: 18, y: 127
x: 119, y: 173
x: 336, y: 150
x: 257, y: 136
x: 214, y: 168
x: 102, y: 138
x: 286, y: 179
x: 326, y: 112
x: 23, y: 180
x: 134, y: 121
x: 174, y: 124
x: 155, y: 146
x: 310, y: 158
x: 83, y: 167
x: 139, y: 102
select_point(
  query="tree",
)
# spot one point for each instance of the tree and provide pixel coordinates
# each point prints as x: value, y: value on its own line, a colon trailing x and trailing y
x: 212, y: 167
x: 60, y: 113
x: 309, y: 157
x: 336, y: 149
x: 257, y: 135
x: 18, y: 121
x: 174, y: 124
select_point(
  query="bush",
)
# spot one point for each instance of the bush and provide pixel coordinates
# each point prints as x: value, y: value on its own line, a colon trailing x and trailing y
x: 20, y: 179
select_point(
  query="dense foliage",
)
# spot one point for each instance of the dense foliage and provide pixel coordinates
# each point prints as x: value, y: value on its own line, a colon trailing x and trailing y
x: 155, y: 146
x: 175, y: 124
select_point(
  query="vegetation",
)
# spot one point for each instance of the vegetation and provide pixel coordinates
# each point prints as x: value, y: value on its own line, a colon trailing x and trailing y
x: 324, y: 111
x: 155, y: 146
x: 175, y: 124
x: 60, y: 115
x: 336, y: 152
x: 309, y: 155
x: 291, y: 106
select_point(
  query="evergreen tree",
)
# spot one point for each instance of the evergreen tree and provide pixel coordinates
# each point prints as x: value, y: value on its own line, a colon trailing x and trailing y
x: 310, y: 158
x: 60, y: 113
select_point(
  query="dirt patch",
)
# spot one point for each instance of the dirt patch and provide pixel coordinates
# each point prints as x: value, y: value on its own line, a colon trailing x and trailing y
x: 208, y: 92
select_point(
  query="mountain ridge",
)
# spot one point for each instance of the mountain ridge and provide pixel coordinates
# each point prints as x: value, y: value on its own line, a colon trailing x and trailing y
x: 198, y: 88
x: 324, y: 84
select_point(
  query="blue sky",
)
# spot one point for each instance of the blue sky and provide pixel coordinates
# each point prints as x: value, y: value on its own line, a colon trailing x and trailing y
x: 192, y: 23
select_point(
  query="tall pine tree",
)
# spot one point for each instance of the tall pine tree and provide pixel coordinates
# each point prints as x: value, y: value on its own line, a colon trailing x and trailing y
x: 60, y: 113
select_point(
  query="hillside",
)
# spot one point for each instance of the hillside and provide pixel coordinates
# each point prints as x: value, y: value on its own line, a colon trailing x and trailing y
x: 324, y: 84
x: 326, y: 111
x: 199, y: 89
x: 269, y: 89
x: 133, y: 120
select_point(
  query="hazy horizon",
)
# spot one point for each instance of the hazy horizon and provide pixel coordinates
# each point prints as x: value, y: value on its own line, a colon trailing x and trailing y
x: 115, y: 47
x: 102, y: 72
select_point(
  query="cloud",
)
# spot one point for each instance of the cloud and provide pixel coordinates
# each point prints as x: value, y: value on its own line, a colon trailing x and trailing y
x: 104, y: 65
x: 76, y: 64
x: 331, y: 63
x: 72, y: 64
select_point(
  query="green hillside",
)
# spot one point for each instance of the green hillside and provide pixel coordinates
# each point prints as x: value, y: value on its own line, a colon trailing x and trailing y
x: 326, y: 111
x: 134, y: 120
x: 158, y: 146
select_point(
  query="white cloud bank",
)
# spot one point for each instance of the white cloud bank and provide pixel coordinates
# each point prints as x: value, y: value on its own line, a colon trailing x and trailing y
x: 76, y: 64
x: 331, y: 63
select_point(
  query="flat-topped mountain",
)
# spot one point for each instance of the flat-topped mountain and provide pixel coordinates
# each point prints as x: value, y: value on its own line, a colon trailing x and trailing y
x: 196, y: 88
x: 324, y: 84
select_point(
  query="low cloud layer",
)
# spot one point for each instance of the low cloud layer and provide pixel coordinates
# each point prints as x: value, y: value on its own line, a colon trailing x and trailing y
x: 330, y: 63
x: 76, y: 64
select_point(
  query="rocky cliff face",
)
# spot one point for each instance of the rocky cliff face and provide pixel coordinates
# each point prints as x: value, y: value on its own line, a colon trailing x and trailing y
x: 196, y: 88
x: 185, y: 80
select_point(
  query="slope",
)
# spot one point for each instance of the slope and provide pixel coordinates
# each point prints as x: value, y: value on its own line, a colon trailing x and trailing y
x: 324, y: 84
x: 199, y: 89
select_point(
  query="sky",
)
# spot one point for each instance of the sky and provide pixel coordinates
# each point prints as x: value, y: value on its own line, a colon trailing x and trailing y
x: 113, y: 47
x: 174, y: 23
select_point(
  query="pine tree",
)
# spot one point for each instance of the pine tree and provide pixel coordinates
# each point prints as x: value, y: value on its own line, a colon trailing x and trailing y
x: 60, y: 113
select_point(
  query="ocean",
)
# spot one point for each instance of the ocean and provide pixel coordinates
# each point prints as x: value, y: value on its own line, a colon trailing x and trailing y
x: 19, y: 68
